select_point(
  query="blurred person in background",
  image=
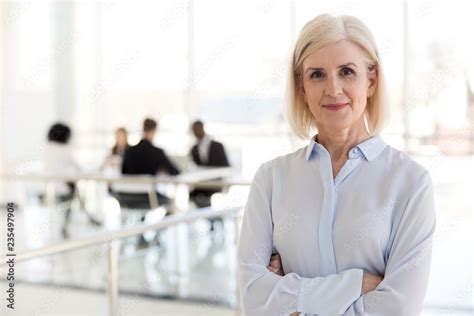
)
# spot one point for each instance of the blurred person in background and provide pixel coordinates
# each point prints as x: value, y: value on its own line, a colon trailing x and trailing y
x: 58, y: 159
x: 114, y: 160
x: 145, y: 159
x: 207, y: 153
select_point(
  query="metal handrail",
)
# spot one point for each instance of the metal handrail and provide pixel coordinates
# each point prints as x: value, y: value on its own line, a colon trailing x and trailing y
x: 104, y: 237
x: 109, y: 237
x: 134, y: 179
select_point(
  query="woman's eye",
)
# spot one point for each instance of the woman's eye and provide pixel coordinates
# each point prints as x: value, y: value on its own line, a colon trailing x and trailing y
x: 317, y: 74
x: 347, y: 71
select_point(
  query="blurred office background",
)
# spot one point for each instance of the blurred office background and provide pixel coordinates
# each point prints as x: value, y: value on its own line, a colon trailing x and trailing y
x: 99, y: 65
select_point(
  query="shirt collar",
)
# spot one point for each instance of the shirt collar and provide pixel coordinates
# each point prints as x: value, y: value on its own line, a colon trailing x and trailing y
x: 310, y: 149
x: 205, y: 141
x: 370, y: 148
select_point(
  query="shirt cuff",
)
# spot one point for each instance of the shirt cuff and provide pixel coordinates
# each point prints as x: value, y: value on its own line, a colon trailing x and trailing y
x: 331, y: 294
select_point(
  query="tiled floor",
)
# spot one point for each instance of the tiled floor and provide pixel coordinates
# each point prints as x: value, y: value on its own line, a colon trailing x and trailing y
x: 197, y: 266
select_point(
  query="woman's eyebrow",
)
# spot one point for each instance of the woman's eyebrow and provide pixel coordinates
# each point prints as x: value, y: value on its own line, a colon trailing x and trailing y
x: 348, y: 64
x: 341, y: 66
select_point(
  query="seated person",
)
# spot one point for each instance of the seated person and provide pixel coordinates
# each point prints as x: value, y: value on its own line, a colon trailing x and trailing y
x: 115, y: 157
x: 58, y: 159
x: 145, y: 158
x: 209, y: 153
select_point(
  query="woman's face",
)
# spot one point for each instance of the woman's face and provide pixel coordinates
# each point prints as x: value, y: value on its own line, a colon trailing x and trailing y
x: 121, y: 138
x: 336, y: 85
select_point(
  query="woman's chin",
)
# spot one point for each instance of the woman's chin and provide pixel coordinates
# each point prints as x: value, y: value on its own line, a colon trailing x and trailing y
x: 337, y: 125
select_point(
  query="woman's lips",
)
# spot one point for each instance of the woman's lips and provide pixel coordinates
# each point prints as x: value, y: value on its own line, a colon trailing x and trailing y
x: 335, y: 106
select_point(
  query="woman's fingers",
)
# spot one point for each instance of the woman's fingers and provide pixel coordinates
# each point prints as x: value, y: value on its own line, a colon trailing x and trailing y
x: 275, y: 270
x: 275, y: 264
x: 370, y: 282
x: 275, y: 261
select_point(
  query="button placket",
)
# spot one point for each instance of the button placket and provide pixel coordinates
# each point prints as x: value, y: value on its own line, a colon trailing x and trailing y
x: 349, y: 165
x: 326, y: 245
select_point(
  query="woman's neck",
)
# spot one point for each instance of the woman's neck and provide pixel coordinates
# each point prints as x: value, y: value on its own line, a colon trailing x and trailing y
x: 338, y: 143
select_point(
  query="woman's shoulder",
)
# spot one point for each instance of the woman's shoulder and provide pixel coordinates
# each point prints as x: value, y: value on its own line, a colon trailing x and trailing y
x: 57, y: 150
x: 401, y: 163
x: 285, y: 161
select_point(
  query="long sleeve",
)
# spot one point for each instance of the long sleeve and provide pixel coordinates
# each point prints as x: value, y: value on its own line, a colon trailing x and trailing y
x: 221, y: 157
x: 165, y: 164
x: 127, y: 160
x: 265, y: 293
x: 195, y: 155
x: 74, y: 166
x: 403, y: 288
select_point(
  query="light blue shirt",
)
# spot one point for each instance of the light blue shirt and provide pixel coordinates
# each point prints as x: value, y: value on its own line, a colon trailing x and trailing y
x: 377, y: 215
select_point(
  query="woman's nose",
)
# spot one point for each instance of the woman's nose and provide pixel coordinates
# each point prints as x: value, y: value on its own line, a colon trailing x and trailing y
x: 333, y: 87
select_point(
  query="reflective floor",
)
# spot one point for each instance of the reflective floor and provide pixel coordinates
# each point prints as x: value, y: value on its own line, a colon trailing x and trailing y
x: 46, y: 300
x: 199, y: 267
x: 194, y: 265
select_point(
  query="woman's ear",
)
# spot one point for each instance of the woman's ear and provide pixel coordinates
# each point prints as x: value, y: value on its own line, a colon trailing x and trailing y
x: 373, y: 80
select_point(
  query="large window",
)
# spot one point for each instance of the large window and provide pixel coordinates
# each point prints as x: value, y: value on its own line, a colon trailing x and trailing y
x: 132, y: 63
x: 27, y: 100
x: 440, y: 74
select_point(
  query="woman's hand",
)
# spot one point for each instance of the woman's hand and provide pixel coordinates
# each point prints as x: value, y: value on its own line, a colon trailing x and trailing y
x: 275, y: 265
x: 370, y: 282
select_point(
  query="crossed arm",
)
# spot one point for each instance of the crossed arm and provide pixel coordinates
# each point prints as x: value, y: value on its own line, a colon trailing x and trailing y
x: 400, y: 292
x: 369, y: 281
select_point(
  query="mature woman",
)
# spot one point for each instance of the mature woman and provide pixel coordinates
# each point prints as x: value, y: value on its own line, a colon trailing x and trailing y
x: 351, y: 219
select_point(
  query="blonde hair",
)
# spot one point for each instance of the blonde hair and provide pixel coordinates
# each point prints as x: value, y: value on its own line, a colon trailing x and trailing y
x: 323, y: 30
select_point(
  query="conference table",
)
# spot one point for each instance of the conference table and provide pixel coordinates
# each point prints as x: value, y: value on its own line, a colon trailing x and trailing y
x: 202, y: 177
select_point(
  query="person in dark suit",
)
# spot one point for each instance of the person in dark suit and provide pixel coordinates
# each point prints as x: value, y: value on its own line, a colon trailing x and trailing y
x: 145, y: 158
x: 209, y: 153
